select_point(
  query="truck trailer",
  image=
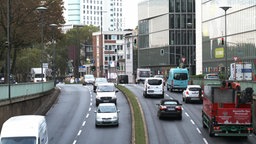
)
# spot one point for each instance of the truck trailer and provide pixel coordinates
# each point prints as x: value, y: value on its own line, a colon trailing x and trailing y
x: 227, y: 111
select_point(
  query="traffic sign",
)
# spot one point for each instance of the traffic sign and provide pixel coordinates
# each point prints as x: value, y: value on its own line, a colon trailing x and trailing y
x: 183, y: 59
x: 235, y: 58
x: 82, y: 68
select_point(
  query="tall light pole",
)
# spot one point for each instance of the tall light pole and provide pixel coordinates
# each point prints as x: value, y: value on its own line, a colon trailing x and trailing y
x: 8, y: 45
x: 225, y: 8
x: 41, y: 10
x: 53, y: 26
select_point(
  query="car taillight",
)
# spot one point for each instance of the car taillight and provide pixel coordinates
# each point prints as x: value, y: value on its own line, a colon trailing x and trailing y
x: 178, y: 108
x: 187, y: 92
x: 163, y: 107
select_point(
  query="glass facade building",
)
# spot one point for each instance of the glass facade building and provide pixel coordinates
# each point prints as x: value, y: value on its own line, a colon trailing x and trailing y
x: 240, y: 34
x: 166, y: 36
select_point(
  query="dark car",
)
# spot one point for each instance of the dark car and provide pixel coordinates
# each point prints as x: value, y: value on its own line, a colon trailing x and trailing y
x: 169, y: 108
x: 123, y: 79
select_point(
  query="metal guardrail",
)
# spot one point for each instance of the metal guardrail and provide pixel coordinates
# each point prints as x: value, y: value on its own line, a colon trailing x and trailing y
x: 24, y: 89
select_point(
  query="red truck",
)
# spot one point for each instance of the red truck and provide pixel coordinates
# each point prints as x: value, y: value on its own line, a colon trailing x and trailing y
x: 227, y: 111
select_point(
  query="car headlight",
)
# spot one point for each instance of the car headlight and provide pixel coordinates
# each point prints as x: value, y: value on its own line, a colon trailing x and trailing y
x: 98, y: 117
x: 114, y: 118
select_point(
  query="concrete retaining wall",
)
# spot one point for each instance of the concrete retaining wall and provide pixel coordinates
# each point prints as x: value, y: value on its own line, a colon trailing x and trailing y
x: 37, y: 104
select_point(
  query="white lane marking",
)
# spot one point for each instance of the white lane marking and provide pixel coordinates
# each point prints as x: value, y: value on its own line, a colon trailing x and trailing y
x: 205, y: 141
x: 187, y: 114
x: 79, y: 132
x: 74, y: 142
x: 192, y: 122
x: 198, y: 130
x: 90, y: 103
x: 87, y: 116
x: 90, y: 109
x: 84, y: 123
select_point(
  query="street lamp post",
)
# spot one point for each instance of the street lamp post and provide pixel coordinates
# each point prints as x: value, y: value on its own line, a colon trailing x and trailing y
x: 53, y: 26
x: 41, y: 10
x: 225, y: 8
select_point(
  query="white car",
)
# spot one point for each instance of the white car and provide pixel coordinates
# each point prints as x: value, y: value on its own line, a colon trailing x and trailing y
x: 107, y: 114
x: 153, y: 87
x: 99, y: 80
x: 88, y: 79
x: 106, y: 93
x: 192, y: 93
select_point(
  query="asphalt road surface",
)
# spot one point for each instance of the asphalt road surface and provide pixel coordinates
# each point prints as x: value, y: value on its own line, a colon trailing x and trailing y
x: 189, y: 130
x: 71, y: 120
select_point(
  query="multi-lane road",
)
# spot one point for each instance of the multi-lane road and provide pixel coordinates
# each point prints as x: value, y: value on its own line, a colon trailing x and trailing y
x: 71, y: 121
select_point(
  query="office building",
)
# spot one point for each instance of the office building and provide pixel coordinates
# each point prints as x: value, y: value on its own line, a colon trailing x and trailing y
x: 107, y: 14
x: 166, y: 36
x: 230, y: 37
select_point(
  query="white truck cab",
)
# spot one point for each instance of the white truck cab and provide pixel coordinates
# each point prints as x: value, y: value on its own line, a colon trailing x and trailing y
x: 24, y: 129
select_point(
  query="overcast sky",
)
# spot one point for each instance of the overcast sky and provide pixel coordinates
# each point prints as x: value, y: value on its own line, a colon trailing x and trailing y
x: 130, y: 13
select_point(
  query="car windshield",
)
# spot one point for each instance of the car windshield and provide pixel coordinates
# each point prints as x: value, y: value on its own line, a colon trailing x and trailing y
x: 159, y: 76
x: 88, y: 76
x: 18, y: 140
x: 99, y: 80
x: 106, y: 88
x: 154, y: 81
x: 144, y: 74
x: 180, y: 76
x: 106, y: 109
x: 194, y: 89
x: 170, y: 103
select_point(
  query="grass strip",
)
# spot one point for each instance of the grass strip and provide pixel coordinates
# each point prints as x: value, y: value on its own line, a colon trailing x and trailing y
x: 139, y: 132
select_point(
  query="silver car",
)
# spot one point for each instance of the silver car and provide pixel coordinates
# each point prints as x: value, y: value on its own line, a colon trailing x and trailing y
x: 192, y: 93
x: 107, y: 114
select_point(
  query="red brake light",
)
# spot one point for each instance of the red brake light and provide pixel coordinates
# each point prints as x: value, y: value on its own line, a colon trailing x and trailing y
x: 178, y: 108
x: 187, y: 92
x: 163, y: 107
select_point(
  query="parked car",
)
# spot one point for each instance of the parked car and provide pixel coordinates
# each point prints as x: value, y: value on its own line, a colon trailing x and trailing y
x: 106, y: 93
x: 107, y: 114
x: 169, y: 108
x: 88, y: 79
x: 99, y: 80
x: 153, y: 87
x: 192, y: 93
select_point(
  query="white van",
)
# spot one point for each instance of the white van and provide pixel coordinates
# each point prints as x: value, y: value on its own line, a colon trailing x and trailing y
x: 153, y: 87
x: 24, y: 129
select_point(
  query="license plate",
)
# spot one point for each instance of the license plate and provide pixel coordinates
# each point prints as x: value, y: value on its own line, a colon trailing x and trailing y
x: 170, y: 109
x: 194, y: 98
x: 105, y: 100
